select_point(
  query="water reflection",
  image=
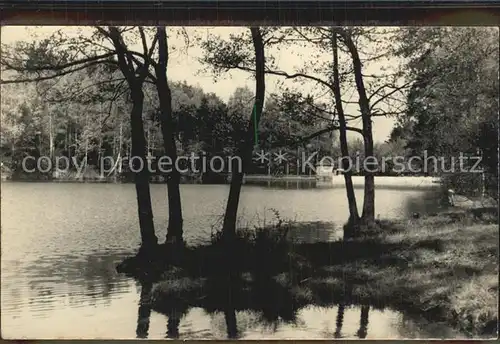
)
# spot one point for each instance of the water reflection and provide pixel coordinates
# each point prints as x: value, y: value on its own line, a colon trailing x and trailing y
x: 62, y: 286
x: 428, y: 202
x: 340, y: 320
x: 173, y: 325
x: 351, y: 322
x: 363, y: 324
x: 58, y: 267
x: 315, y: 231
x: 284, y: 184
x: 144, y: 312
x: 272, y: 310
x: 91, y: 277
x: 173, y: 312
x: 229, y: 307
x: 174, y: 315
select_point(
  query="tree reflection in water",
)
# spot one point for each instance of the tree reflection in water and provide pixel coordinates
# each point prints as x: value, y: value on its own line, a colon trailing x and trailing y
x: 144, y: 312
x: 274, y: 304
x: 173, y: 311
x: 173, y: 322
x: 340, y: 321
x: 363, y: 326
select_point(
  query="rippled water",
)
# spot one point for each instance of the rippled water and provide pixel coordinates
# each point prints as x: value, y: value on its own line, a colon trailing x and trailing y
x: 61, y: 243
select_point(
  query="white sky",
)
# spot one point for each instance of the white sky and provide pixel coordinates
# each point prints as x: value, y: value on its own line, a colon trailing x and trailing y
x: 184, y: 66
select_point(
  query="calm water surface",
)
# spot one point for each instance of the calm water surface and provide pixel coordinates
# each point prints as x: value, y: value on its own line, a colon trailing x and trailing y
x: 61, y: 243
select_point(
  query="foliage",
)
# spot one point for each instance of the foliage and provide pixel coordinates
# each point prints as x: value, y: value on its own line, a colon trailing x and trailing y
x: 89, y: 114
x: 452, y: 106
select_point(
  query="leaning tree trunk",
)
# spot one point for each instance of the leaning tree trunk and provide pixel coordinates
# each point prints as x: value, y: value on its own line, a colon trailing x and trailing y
x: 368, y: 216
x: 246, y: 144
x: 363, y: 323
x: 141, y: 173
x: 138, y: 142
x: 351, y: 197
x: 175, y: 222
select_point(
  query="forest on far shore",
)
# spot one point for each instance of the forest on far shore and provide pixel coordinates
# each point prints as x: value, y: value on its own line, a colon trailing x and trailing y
x: 442, y: 95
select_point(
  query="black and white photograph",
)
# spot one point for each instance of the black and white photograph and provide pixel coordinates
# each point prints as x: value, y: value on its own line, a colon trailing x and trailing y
x: 249, y: 182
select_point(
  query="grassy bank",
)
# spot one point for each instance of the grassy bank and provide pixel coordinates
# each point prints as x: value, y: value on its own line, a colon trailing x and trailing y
x: 442, y: 267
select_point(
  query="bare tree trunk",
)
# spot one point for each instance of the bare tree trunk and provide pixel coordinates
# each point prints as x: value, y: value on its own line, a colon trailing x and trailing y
x: 70, y: 145
x: 148, y: 143
x: 86, y: 144
x: 246, y: 146
x: 119, y: 151
x: 66, y: 142
x: 231, y: 323
x: 99, y: 152
x: 114, y: 155
x: 368, y: 216
x: 153, y: 144
x: 351, y: 197
x: 51, y: 140
x: 175, y: 221
x: 138, y: 143
x: 77, y: 144
x: 141, y: 173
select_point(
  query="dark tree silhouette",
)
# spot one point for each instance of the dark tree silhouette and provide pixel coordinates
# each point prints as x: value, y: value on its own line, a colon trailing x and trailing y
x: 246, y: 143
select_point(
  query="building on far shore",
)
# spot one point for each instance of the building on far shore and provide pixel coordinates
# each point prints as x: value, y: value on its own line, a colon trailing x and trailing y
x: 324, y: 172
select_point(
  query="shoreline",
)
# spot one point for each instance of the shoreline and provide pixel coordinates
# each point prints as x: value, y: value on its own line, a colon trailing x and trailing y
x: 441, y: 267
x: 416, y: 181
x: 358, y: 181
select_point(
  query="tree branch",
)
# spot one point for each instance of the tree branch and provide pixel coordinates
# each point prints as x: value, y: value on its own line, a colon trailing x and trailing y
x: 144, y: 68
x: 58, y: 67
x: 323, y: 131
x: 49, y: 77
x: 77, y: 93
x: 125, y: 66
x: 116, y: 95
x: 387, y: 95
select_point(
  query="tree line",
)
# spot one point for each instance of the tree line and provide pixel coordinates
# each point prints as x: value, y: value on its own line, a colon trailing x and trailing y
x: 41, y: 124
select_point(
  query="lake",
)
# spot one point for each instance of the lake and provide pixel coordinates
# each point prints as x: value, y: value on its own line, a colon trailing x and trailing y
x: 61, y: 243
